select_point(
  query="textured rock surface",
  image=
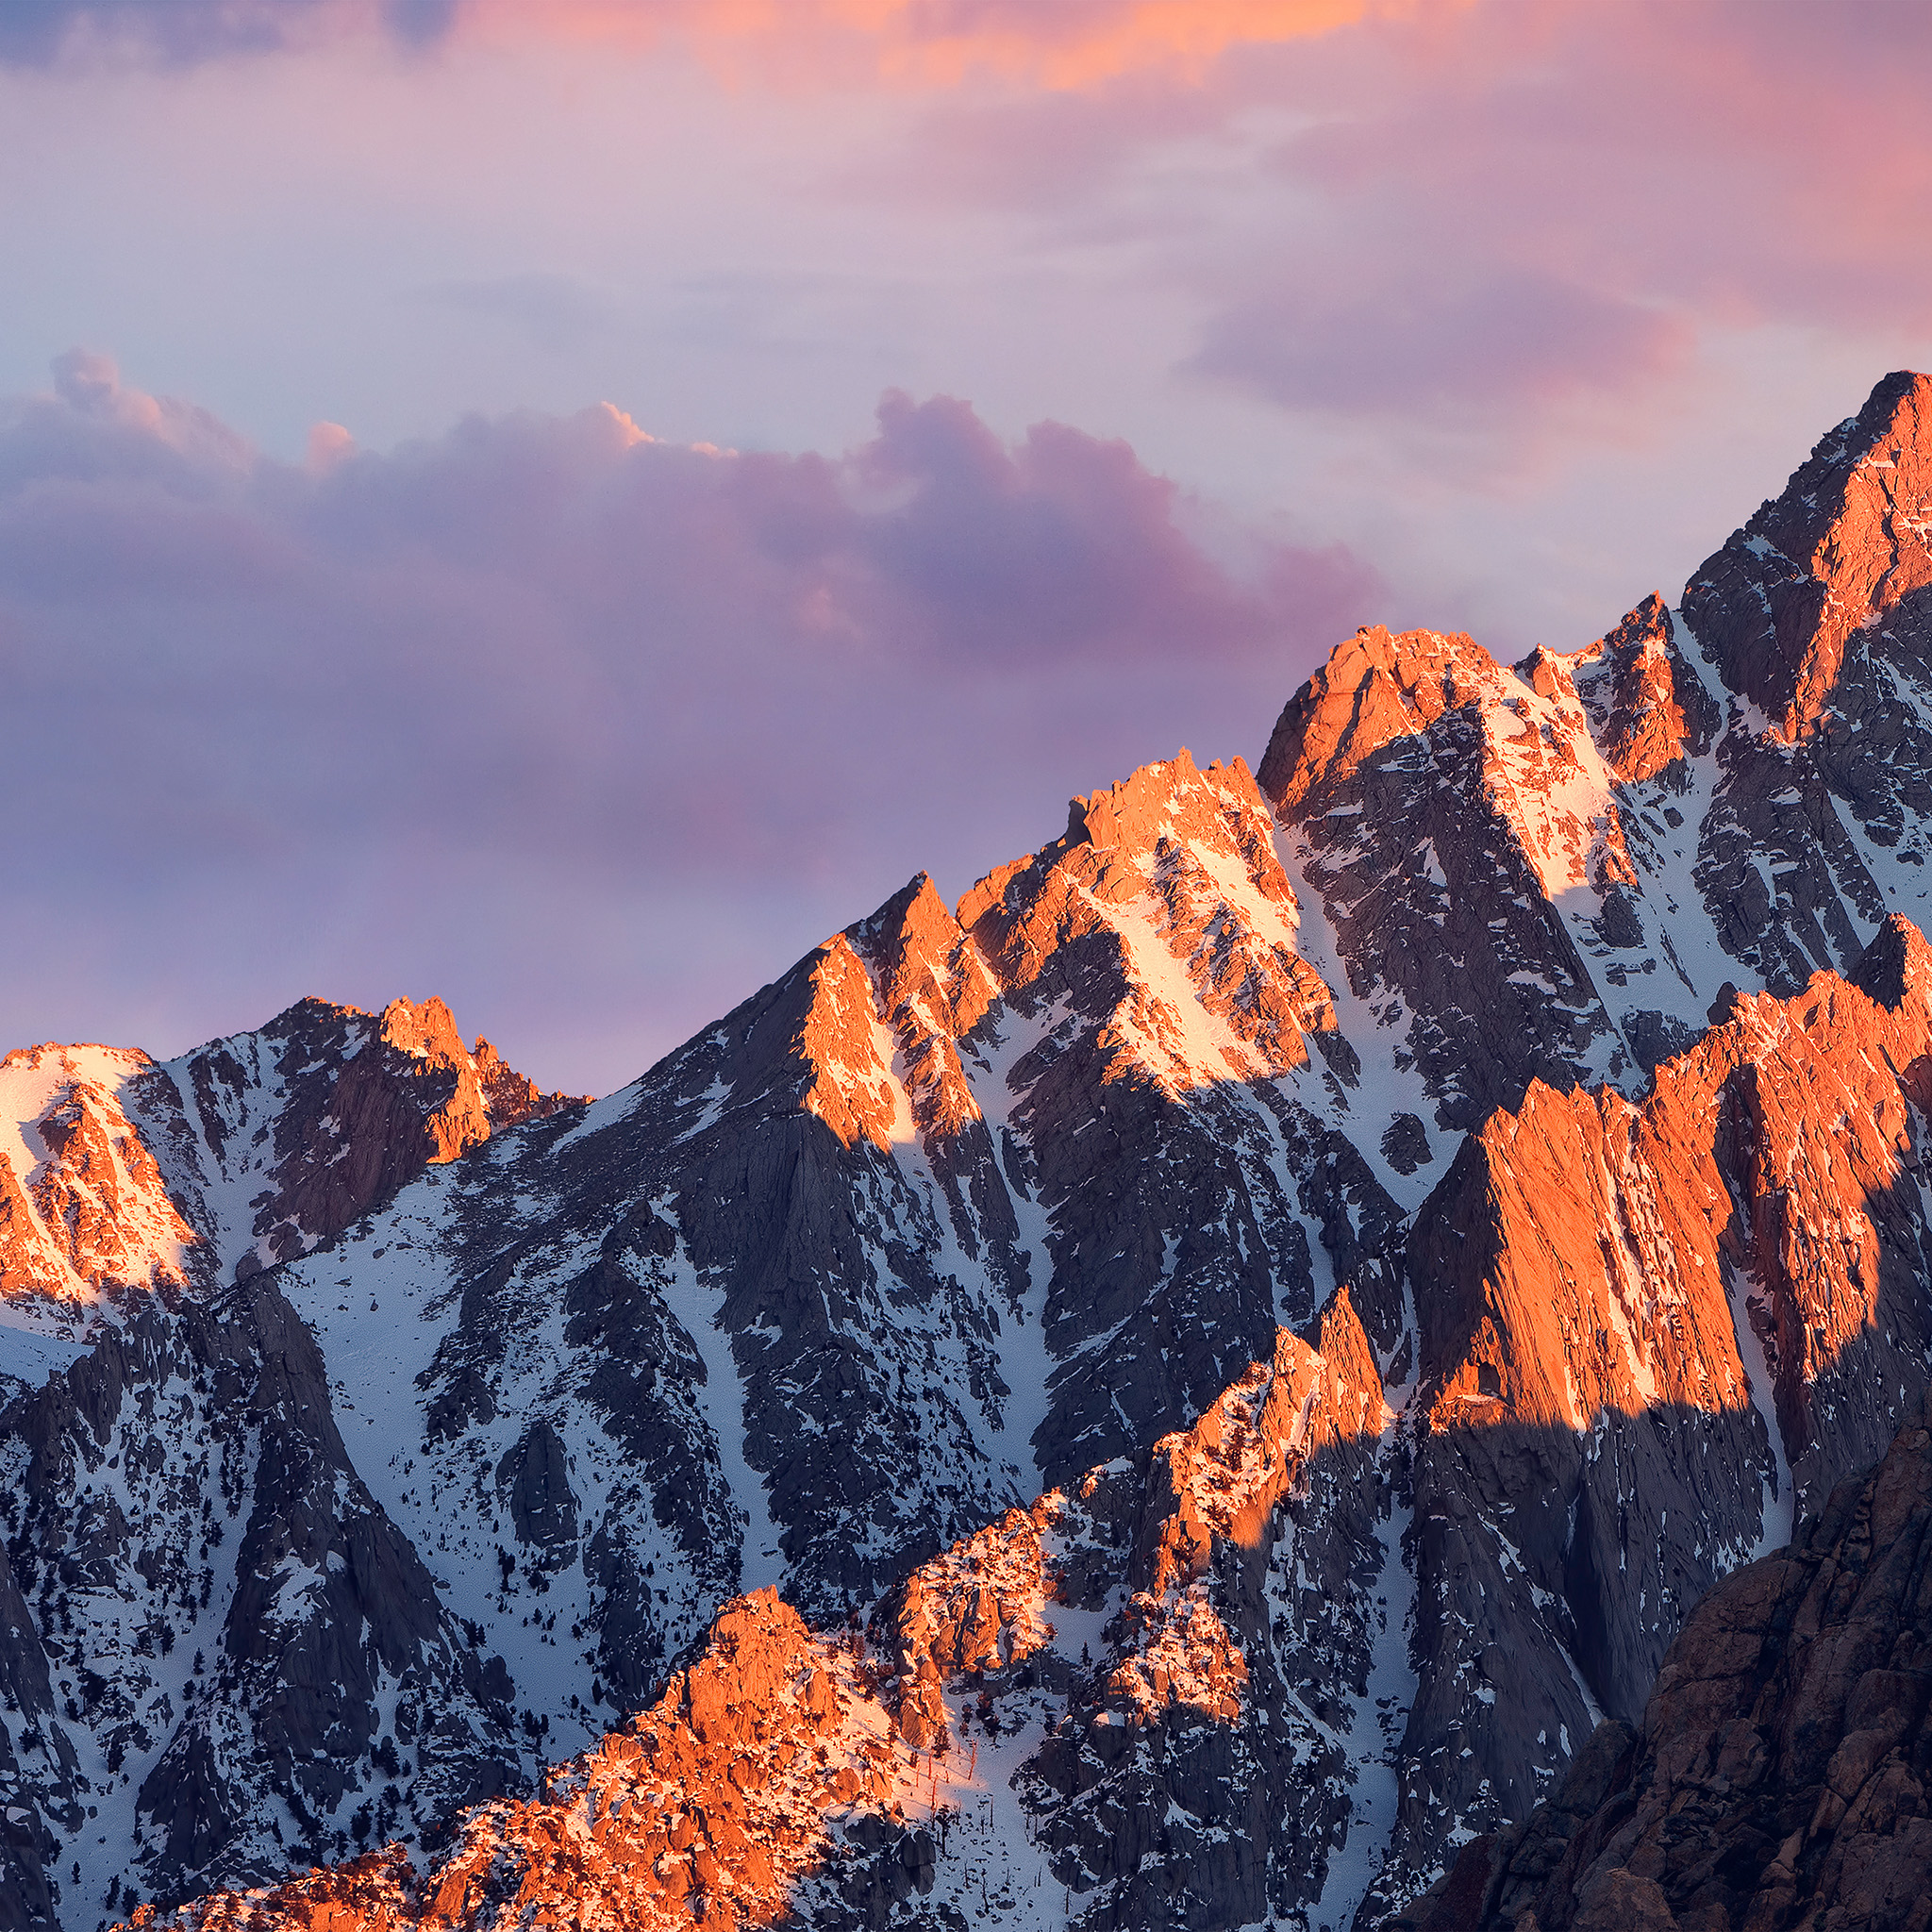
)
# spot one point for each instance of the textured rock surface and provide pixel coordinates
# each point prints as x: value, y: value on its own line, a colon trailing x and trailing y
x: 1777, y: 1776
x: 969, y: 1748
x: 954, y: 1209
x: 117, y: 1172
x: 1649, y: 1332
x: 1550, y: 874
x: 222, y: 1656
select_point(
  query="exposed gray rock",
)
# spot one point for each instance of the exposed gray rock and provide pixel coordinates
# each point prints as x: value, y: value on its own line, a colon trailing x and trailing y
x: 220, y: 1634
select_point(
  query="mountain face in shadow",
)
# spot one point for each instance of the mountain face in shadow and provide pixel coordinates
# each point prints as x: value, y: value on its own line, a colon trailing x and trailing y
x: 1182, y: 1389
x: 1776, y: 1775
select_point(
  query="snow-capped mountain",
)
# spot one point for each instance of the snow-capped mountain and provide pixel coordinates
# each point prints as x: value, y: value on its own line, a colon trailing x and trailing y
x: 1232, y: 1347
x: 117, y: 1172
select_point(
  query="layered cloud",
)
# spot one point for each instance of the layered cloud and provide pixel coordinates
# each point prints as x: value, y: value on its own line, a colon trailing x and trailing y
x: 391, y: 714
x: 1499, y: 212
x: 1072, y: 44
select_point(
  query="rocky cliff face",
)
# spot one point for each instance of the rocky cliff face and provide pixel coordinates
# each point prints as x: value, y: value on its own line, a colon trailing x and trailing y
x: 220, y: 1653
x: 1551, y: 873
x: 1777, y: 1773
x: 963, y: 1204
x: 1106, y: 1697
x: 1233, y: 1345
x: 1652, y: 1331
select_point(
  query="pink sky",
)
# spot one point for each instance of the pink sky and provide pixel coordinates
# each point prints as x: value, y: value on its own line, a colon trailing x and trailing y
x: 1073, y: 378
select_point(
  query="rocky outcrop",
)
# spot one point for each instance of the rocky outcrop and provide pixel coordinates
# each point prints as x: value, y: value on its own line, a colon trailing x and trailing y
x: 83, y: 1204
x: 1549, y: 874
x: 1649, y: 712
x: 326, y: 1111
x: 1780, y: 609
x: 763, y: 1766
x: 1777, y: 1776
x: 1445, y: 812
x: 818, y: 1778
x: 1212, y: 1769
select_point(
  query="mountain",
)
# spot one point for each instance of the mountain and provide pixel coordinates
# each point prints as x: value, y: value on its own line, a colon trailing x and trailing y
x: 117, y: 1172
x: 1361, y: 1249
x: 1072, y: 1683
x: 199, y: 1598
x: 1550, y: 873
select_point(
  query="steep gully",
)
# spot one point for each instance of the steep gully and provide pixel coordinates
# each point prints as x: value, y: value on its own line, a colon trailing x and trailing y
x: 980, y: 1201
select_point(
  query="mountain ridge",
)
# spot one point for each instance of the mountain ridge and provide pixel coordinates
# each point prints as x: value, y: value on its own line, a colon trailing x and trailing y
x: 1543, y: 1044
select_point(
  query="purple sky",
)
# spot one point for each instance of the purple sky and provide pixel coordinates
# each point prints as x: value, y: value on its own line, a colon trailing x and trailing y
x: 787, y: 447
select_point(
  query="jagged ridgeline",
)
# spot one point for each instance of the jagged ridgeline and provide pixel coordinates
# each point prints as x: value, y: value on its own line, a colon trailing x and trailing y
x: 1178, y: 1391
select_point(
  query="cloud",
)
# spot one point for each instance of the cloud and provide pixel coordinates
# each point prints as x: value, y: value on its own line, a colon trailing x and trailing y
x: 40, y: 32
x: 907, y: 43
x: 1072, y: 45
x: 380, y: 710
x: 1446, y: 345
x: 1545, y: 199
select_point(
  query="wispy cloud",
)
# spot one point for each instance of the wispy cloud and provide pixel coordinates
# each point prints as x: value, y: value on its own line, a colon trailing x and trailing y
x: 901, y: 41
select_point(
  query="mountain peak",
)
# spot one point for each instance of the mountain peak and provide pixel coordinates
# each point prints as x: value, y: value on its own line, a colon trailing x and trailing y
x: 427, y: 1032
x: 1375, y: 687
x: 1646, y: 706
x: 1849, y: 539
x: 1896, y: 964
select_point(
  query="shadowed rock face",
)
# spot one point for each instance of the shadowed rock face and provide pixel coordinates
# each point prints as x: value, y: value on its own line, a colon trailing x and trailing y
x: 1790, y: 601
x: 1777, y: 1775
x: 962, y: 1204
x: 1649, y: 1332
x: 1549, y: 874
x: 1443, y: 812
x: 835, y: 1777
x: 219, y: 1650
x: 327, y: 1111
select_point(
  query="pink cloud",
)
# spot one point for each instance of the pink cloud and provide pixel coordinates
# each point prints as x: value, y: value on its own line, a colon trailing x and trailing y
x: 1575, y: 192
x: 901, y: 42
x: 378, y: 707
x: 925, y: 43
x: 1441, y: 345
x: 1519, y: 209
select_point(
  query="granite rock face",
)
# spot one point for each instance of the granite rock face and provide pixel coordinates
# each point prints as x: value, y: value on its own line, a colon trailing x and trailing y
x: 222, y: 1656
x: 965, y: 1203
x: 1101, y: 1697
x: 1651, y: 1333
x: 117, y: 1172
x: 1550, y: 873
x: 1777, y: 1774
